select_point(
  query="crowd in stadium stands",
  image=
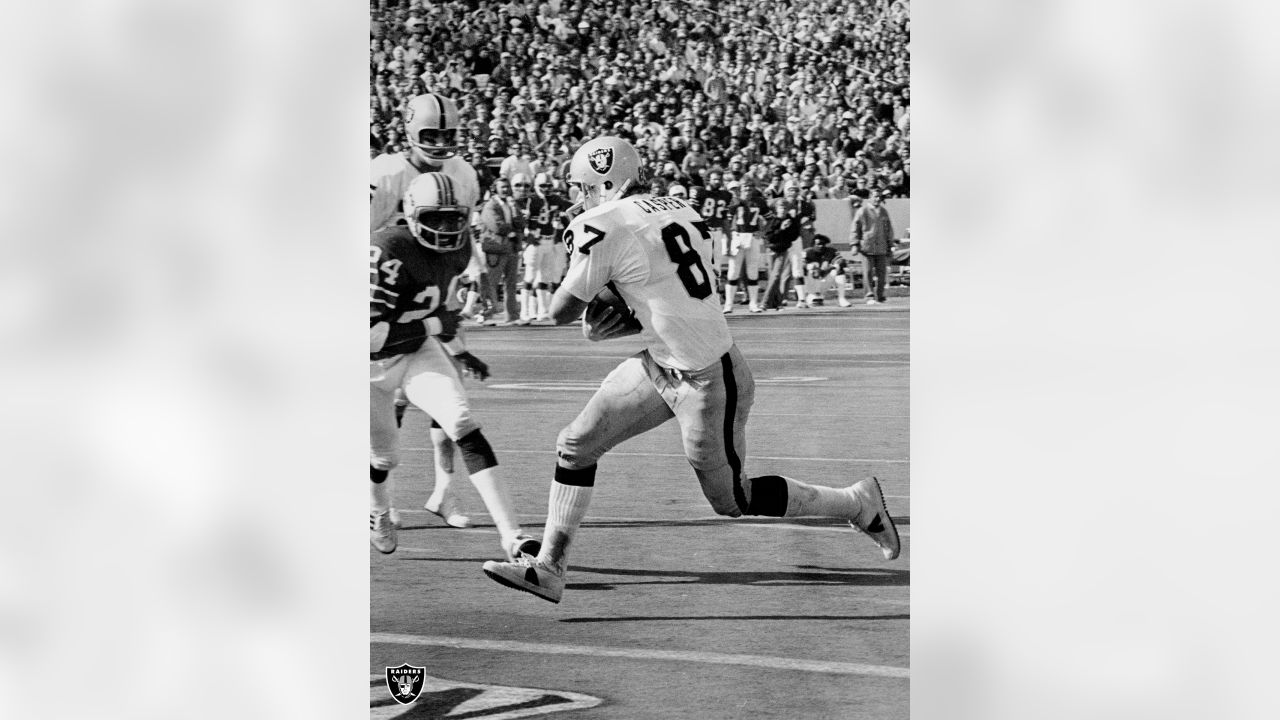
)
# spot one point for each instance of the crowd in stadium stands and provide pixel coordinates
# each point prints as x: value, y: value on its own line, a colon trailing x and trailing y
x: 814, y: 91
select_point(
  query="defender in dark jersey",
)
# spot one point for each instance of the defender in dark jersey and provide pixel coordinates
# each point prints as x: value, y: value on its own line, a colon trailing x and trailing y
x: 412, y: 274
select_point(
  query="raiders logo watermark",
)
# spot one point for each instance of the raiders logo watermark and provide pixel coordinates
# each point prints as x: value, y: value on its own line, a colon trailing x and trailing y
x: 601, y: 159
x: 405, y: 682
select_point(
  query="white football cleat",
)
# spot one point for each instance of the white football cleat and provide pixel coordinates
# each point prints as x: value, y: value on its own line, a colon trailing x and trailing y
x: 382, y: 533
x: 521, y: 545
x: 873, y: 517
x: 448, y: 511
x: 529, y: 575
x: 845, y: 303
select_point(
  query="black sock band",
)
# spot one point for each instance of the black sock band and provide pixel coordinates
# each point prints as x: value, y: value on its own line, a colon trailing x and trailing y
x: 377, y: 476
x: 476, y: 452
x: 768, y: 496
x: 586, y: 477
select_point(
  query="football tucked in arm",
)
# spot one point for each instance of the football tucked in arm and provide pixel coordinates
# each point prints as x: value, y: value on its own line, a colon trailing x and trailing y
x: 608, y: 316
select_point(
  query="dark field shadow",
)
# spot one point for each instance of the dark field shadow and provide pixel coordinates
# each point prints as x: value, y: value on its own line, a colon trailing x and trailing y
x: 856, y: 578
x: 733, y: 618
x: 900, y: 520
x: 723, y: 522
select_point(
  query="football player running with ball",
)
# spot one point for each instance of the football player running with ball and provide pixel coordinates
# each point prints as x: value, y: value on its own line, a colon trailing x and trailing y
x: 652, y: 254
x: 415, y: 346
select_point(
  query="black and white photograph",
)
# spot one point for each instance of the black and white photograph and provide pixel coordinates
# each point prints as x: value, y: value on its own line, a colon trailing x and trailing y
x: 610, y: 242
x: 667, y: 416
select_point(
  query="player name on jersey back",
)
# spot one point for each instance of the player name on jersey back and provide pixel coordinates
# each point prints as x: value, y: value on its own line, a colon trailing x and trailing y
x: 660, y: 204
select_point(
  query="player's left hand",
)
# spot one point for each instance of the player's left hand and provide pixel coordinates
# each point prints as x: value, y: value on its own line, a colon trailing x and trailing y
x: 472, y: 365
x: 605, y: 322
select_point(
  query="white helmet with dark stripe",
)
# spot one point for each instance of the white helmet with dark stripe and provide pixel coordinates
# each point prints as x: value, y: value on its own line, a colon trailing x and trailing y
x: 431, y: 125
x: 434, y: 214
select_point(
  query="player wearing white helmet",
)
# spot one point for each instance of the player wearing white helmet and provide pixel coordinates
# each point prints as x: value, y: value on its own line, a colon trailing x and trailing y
x: 415, y: 345
x: 640, y: 265
x: 431, y: 126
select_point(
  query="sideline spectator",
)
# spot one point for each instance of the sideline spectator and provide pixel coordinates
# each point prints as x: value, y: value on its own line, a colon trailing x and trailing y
x: 871, y: 235
x: 501, y: 233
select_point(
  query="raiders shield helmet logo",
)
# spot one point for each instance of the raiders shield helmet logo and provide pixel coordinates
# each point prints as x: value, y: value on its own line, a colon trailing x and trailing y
x: 405, y: 682
x: 601, y: 159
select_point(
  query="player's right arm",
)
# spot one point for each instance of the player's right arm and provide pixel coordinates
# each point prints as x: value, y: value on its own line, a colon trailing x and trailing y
x: 384, y: 201
x: 599, y: 253
x: 392, y: 330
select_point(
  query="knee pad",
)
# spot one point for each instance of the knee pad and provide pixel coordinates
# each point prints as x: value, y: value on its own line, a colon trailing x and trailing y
x: 768, y: 496
x: 477, y: 455
x: 751, y: 281
x: 571, y: 453
x: 542, y: 286
x: 528, y: 286
x: 377, y: 476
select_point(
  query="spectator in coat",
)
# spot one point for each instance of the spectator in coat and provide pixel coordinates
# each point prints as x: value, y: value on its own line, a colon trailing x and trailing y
x: 501, y: 234
x: 871, y: 235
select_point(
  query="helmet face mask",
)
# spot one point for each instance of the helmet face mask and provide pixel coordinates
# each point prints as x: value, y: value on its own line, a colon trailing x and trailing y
x: 434, y: 216
x: 431, y: 126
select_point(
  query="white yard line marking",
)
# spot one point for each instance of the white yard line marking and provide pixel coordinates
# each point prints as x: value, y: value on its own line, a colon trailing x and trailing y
x: 761, y: 661
x: 682, y: 455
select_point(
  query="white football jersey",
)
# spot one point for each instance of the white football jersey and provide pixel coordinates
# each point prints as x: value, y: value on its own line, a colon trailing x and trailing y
x: 656, y: 254
x: 390, y: 178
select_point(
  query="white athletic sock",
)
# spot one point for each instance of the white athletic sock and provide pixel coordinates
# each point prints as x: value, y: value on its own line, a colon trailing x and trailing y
x: 469, y: 307
x: 544, y: 303
x: 753, y: 292
x: 842, y: 286
x: 498, y: 502
x: 446, y: 462
x: 524, y: 303
x: 380, y: 495
x: 729, y: 291
x: 799, y: 291
x: 566, y: 506
x: 805, y: 500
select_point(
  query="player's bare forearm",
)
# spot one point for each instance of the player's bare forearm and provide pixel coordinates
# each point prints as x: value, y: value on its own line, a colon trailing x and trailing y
x: 566, y: 307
